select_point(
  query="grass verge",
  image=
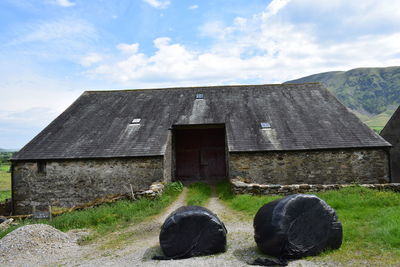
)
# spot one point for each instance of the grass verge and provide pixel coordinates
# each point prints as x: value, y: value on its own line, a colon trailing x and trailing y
x: 110, y: 217
x: 198, y: 194
x: 370, y: 219
x: 4, y: 167
x: 5, y: 178
x: 5, y: 195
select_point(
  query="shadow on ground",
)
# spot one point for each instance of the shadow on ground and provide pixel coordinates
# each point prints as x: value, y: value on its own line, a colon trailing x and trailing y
x: 151, y: 252
x: 247, y: 255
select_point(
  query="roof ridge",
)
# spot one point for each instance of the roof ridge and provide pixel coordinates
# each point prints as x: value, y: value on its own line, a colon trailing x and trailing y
x: 202, y: 87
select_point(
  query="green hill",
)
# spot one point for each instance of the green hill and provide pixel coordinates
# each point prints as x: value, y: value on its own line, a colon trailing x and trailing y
x: 366, y: 90
x: 372, y: 94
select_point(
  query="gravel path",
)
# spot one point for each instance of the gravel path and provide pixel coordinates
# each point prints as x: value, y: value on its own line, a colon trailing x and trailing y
x: 136, y: 245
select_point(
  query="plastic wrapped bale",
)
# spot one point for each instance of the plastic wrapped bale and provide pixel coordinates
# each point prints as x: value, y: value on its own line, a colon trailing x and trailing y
x: 192, y: 231
x: 297, y: 226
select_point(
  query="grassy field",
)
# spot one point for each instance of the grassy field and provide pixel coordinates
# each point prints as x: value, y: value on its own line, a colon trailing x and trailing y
x: 5, y: 182
x: 376, y: 122
x: 198, y: 194
x: 377, y: 129
x: 371, y: 223
x: 5, y: 195
x: 4, y: 167
x: 110, y: 217
x: 380, y: 119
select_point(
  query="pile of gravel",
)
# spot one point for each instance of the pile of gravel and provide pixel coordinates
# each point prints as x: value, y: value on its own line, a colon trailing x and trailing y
x: 35, y: 241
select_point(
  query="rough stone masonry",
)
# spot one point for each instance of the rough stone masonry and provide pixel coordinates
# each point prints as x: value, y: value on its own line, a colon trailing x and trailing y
x: 341, y: 166
x: 68, y: 183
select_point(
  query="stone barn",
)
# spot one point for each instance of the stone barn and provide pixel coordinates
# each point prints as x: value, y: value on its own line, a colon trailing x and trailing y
x: 109, y: 141
x: 391, y: 133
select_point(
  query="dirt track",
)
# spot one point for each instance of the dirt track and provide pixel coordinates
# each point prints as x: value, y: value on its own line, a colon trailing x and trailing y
x: 136, y: 245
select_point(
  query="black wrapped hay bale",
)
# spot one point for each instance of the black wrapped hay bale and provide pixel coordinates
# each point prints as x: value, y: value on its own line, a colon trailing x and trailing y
x: 297, y: 226
x: 192, y: 231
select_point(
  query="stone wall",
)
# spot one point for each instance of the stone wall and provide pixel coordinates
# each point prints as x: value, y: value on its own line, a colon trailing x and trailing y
x: 240, y: 187
x: 344, y: 166
x: 68, y: 183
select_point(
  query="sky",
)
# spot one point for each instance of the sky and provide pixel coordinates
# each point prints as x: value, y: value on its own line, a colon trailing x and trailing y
x: 51, y: 51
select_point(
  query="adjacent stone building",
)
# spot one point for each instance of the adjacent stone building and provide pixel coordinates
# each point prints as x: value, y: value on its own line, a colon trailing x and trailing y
x: 391, y: 133
x: 108, y: 142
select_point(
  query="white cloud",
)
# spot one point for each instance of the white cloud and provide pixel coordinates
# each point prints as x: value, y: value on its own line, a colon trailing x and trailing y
x: 194, y: 7
x: 33, y: 100
x: 280, y: 60
x: 215, y: 29
x: 157, y: 3
x: 35, y: 90
x: 62, y: 29
x: 274, y: 7
x: 263, y: 48
x: 28, y: 117
x: 128, y: 48
x: 346, y: 16
x: 90, y: 59
x: 65, y: 3
x: 61, y: 39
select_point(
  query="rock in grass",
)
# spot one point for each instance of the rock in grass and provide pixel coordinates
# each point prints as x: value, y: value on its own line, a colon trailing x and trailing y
x: 297, y: 226
x: 2, y: 219
x: 192, y: 231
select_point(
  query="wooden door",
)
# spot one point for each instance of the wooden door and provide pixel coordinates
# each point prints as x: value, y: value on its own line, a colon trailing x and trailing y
x: 200, y: 153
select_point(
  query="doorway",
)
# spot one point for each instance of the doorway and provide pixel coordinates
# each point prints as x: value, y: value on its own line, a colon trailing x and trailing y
x: 200, y: 152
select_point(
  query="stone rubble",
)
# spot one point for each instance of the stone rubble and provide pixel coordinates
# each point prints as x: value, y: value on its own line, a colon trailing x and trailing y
x: 5, y: 224
x: 155, y: 190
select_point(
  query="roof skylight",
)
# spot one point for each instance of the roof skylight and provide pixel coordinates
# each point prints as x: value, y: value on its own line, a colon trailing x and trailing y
x: 265, y: 125
x: 136, y: 121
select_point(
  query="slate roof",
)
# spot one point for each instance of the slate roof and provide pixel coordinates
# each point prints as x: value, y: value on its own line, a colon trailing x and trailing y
x: 302, y: 117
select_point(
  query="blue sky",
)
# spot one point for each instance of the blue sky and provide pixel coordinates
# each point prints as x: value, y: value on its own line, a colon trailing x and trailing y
x: 53, y: 50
